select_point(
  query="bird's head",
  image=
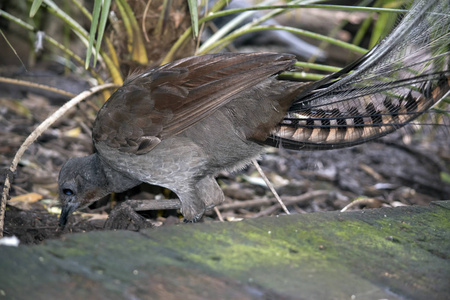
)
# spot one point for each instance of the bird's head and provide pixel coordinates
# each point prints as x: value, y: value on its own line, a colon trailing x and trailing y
x: 81, y: 182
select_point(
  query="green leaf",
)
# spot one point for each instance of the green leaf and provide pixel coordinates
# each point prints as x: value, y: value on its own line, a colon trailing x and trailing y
x: 102, y: 26
x: 35, y: 7
x: 136, y: 45
x: 246, y: 29
x: 94, y: 24
x: 384, y: 24
x: 194, y: 16
x: 317, y: 66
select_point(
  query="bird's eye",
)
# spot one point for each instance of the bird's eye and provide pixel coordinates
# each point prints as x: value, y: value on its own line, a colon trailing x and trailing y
x: 67, y: 192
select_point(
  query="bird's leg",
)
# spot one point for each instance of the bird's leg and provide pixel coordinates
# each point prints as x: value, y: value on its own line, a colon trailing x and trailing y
x: 209, y: 192
x: 192, y: 208
x: 124, y: 216
x: 193, y: 205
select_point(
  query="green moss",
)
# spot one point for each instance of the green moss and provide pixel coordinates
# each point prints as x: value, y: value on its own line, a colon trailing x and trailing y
x: 323, y: 255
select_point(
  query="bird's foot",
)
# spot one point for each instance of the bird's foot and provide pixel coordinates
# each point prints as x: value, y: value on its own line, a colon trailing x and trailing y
x: 124, y: 216
x: 195, y: 219
x: 192, y: 213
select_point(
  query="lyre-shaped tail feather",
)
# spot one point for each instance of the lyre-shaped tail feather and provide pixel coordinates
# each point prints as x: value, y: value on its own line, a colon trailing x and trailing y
x: 394, y: 83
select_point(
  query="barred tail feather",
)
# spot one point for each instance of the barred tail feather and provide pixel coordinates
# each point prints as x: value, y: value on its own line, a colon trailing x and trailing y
x: 402, y: 77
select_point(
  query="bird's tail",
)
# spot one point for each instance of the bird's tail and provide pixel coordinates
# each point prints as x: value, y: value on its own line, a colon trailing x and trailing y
x: 399, y: 79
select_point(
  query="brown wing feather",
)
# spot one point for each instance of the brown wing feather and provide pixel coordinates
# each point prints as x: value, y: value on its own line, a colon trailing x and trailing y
x: 167, y: 100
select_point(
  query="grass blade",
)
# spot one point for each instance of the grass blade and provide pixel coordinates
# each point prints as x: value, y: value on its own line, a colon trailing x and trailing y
x: 136, y: 45
x: 102, y: 26
x: 94, y: 24
x: 35, y: 7
x: 193, y: 10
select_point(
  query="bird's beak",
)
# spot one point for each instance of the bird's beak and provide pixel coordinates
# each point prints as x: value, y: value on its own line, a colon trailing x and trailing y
x: 66, y: 211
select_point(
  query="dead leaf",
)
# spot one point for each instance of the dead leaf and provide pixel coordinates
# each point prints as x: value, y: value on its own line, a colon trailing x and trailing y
x: 16, y: 106
x: 28, y: 198
x: 73, y: 132
x: 25, y: 202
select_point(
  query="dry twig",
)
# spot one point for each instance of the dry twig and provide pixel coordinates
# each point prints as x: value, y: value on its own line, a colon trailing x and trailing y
x: 269, y: 184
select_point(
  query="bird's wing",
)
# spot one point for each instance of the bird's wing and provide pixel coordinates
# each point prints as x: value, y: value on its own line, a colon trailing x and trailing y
x: 167, y: 100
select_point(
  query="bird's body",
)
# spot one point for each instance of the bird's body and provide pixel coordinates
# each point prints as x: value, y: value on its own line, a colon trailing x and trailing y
x: 145, y: 138
x: 178, y: 125
x: 228, y: 137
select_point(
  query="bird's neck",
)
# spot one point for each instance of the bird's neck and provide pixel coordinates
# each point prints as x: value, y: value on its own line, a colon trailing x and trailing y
x: 116, y: 181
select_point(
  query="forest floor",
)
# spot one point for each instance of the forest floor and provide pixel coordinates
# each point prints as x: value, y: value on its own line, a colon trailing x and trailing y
x: 404, y: 168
